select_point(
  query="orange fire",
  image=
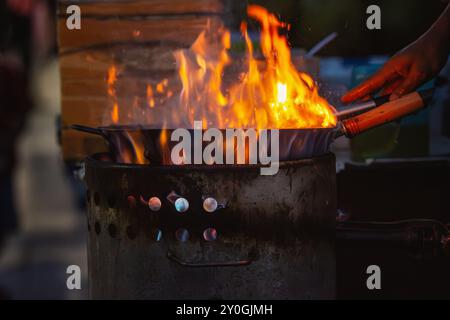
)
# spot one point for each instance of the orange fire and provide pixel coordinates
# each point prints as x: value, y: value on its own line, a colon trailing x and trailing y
x: 150, y: 99
x: 115, y: 113
x: 111, y: 81
x: 269, y: 93
x: 275, y: 95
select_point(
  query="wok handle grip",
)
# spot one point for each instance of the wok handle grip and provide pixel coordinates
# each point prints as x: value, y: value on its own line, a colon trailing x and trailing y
x: 387, y: 112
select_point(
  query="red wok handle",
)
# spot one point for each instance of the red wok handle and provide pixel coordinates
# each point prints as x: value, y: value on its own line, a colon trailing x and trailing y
x: 387, y: 112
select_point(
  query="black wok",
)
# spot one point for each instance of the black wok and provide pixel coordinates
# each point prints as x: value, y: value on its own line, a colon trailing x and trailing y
x: 140, y: 144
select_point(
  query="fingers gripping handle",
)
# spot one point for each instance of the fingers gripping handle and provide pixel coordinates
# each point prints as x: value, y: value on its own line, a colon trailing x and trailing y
x: 388, y: 112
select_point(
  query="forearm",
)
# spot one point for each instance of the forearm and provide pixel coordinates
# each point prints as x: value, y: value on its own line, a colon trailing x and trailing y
x: 440, y: 31
x: 413, y: 65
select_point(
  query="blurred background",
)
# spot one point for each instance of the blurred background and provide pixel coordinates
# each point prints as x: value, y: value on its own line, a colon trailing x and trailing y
x: 42, y: 219
x: 42, y: 224
x: 403, y: 21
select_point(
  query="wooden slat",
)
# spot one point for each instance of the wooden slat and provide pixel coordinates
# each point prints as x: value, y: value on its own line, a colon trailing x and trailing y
x: 96, y: 111
x: 148, y: 7
x: 76, y: 145
x: 88, y: 110
x: 96, y: 32
x: 134, y: 87
x: 139, y: 38
x: 147, y: 61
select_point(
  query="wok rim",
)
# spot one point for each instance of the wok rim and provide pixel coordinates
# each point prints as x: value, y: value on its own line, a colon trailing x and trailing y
x: 121, y: 128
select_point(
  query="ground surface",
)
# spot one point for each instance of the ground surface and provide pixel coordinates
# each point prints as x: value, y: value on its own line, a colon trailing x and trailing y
x: 33, y: 263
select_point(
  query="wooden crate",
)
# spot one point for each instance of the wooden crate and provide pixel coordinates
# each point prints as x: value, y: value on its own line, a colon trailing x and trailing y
x: 136, y: 36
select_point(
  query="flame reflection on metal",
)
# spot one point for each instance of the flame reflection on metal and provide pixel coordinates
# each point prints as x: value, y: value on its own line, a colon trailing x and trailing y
x: 154, y: 204
x: 158, y: 235
x: 181, y: 205
x: 210, y: 204
x: 182, y: 235
x: 210, y: 234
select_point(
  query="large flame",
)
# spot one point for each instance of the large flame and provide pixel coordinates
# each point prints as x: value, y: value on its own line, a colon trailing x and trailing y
x: 275, y: 95
x: 269, y: 93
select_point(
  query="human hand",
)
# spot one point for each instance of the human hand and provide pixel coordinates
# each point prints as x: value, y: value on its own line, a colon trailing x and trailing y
x: 405, y: 71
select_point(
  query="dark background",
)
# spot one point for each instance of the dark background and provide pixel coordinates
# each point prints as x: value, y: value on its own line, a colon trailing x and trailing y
x: 402, y: 21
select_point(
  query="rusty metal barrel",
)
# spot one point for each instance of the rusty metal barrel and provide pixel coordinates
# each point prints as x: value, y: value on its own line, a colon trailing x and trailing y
x: 211, y: 232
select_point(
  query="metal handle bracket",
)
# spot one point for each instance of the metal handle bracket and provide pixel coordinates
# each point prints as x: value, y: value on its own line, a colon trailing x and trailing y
x: 171, y: 256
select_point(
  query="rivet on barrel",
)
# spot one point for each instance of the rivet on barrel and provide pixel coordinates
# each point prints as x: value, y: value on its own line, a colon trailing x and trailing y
x: 210, y: 205
x: 154, y: 204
